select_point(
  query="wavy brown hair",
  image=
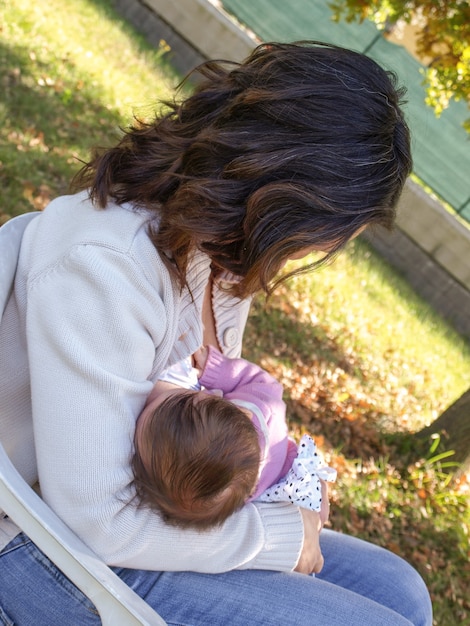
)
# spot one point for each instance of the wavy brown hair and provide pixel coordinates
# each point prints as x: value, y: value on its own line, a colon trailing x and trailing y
x: 196, y: 459
x: 299, y: 146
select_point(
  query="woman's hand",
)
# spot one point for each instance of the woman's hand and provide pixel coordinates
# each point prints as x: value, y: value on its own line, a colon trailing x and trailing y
x: 325, y: 503
x: 311, y: 558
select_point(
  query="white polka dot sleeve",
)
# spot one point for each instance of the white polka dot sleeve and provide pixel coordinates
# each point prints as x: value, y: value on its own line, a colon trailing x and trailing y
x: 301, y: 485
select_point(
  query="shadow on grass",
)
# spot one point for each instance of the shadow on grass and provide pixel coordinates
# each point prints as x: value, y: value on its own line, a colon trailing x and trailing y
x: 328, y: 390
x: 336, y: 398
x: 47, y: 124
x: 389, y: 494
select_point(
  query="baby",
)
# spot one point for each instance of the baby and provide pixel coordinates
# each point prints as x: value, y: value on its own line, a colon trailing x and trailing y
x: 214, y: 436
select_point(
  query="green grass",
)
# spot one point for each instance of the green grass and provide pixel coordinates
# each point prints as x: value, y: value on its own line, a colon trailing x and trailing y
x: 364, y: 361
x: 378, y: 321
x: 72, y: 74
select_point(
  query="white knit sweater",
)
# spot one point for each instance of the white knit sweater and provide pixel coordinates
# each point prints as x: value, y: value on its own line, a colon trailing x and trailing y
x: 100, y: 317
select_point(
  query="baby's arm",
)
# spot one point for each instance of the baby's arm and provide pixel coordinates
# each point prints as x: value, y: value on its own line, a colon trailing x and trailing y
x: 239, y: 377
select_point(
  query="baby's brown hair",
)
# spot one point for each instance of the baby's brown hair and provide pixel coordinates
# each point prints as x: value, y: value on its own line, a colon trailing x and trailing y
x: 196, y: 459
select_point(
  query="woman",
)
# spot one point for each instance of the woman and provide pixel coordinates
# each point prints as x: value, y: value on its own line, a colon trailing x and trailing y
x: 299, y: 148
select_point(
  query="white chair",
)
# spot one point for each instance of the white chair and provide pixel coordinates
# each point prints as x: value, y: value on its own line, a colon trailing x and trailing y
x: 116, y: 603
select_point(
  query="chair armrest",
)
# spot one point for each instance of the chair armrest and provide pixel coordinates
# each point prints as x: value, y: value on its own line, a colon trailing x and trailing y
x: 115, y: 601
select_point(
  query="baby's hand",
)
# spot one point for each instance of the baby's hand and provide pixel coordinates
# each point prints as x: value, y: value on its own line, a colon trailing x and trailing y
x: 200, y: 358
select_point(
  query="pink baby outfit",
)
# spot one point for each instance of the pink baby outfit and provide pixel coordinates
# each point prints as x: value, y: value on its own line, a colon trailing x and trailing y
x: 287, y: 473
x: 250, y: 387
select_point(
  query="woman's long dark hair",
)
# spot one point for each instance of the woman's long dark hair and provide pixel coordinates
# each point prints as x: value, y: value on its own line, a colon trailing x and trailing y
x: 299, y: 146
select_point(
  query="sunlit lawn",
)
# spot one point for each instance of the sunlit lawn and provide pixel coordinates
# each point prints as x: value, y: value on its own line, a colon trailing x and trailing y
x: 71, y: 75
x: 363, y: 360
x: 365, y: 364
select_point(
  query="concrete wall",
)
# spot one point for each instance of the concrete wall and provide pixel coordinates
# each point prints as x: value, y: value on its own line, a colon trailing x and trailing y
x: 195, y: 30
x: 429, y: 247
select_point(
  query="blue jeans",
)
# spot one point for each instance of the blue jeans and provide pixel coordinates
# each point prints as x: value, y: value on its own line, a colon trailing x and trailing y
x: 360, y: 584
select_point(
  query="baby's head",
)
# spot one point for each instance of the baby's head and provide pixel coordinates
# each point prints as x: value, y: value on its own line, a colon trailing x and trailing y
x: 196, y: 459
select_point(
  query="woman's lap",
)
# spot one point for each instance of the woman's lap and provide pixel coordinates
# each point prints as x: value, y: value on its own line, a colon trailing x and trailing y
x: 375, y: 573
x: 358, y: 583
x: 238, y: 597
